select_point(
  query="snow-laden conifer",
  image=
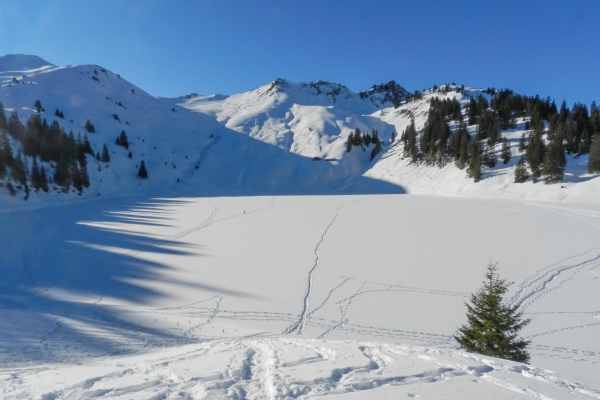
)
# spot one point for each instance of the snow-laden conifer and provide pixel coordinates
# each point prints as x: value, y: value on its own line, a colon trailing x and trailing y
x: 492, y: 327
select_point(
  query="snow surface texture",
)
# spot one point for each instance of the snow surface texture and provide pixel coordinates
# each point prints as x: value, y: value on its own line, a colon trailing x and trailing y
x: 292, y: 297
x: 146, y: 293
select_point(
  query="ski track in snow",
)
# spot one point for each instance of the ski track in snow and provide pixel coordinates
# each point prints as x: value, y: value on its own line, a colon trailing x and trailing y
x: 343, y: 306
x: 210, y: 318
x: 298, y: 327
x: 254, y: 368
x: 532, y: 290
x: 554, y: 277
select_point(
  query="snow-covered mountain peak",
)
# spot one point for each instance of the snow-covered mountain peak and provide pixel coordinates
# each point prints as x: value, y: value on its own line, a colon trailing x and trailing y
x: 22, y: 62
x: 325, y: 93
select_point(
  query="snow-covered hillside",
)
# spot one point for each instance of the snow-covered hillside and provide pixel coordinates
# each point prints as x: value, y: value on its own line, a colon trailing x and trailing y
x: 281, y: 138
x: 315, y: 123
x: 184, y: 152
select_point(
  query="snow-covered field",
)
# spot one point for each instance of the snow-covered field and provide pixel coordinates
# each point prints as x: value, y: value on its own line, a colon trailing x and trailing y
x: 293, y: 296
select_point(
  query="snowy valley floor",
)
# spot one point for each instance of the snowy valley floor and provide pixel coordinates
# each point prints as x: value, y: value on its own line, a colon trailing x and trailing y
x: 293, y: 297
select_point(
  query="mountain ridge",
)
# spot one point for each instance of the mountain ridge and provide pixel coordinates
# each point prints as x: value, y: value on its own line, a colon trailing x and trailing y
x: 192, y: 144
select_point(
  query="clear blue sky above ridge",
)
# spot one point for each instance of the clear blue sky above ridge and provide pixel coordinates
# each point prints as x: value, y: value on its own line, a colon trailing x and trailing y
x: 221, y: 46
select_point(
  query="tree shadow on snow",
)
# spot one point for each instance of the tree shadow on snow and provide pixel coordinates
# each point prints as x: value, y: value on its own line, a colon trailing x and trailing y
x: 60, y: 261
x: 92, y: 251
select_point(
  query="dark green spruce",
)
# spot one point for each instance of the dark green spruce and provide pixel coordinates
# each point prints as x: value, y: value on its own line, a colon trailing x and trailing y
x: 493, y: 327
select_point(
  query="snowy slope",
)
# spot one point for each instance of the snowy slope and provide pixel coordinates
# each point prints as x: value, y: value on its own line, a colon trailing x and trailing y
x: 283, y: 137
x: 496, y: 182
x: 184, y: 152
x: 309, y: 119
x: 302, y: 120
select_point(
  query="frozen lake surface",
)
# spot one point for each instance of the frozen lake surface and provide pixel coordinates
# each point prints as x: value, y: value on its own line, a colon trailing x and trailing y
x: 293, y: 296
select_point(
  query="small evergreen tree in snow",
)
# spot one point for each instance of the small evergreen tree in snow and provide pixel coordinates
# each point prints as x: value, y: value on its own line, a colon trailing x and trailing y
x: 142, y: 172
x: 492, y: 327
x: 122, y: 140
x: 105, y: 155
x: 521, y: 173
x: 87, y: 148
x: 90, y: 127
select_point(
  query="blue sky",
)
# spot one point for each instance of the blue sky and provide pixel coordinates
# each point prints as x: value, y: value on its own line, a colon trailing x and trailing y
x: 219, y: 46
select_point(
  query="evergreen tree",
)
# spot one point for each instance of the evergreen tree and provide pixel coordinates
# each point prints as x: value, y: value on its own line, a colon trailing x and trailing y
x: 376, y: 150
x: 594, y: 157
x: 6, y: 156
x: 492, y: 327
x: 473, y: 111
x: 505, y: 153
x: 19, y: 169
x: 62, y: 175
x: 105, y: 155
x: 85, y: 178
x: 38, y: 106
x: 474, y: 169
x: 410, y: 148
x: 15, y: 127
x: 555, y: 161
x: 535, y: 151
x: 142, y: 172
x: 76, y: 177
x: 463, y: 152
x: 489, y: 158
x: 36, y: 178
x: 521, y: 173
x: 522, y: 143
x: 87, y: 148
x: 43, y: 179
x: 2, y: 117
x: 90, y: 127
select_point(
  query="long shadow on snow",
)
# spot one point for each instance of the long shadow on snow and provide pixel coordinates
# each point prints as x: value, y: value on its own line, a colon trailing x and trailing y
x: 56, y: 252
x: 59, y: 248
